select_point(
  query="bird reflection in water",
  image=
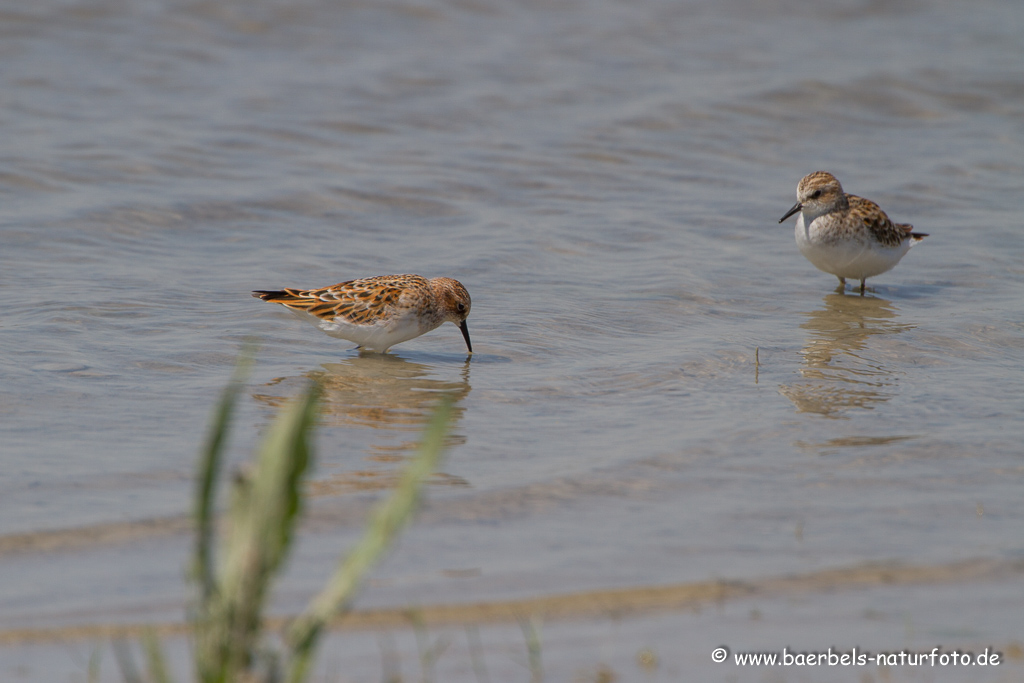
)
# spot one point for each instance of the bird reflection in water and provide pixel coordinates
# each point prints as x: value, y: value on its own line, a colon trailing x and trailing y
x: 386, y: 394
x: 843, y: 368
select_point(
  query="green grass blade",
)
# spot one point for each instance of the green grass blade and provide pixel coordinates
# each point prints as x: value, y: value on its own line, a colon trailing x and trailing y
x: 263, y: 516
x: 387, y: 520
x: 125, y: 661
x: 94, y: 666
x: 227, y: 619
x: 209, y: 469
x: 531, y: 633
x: 476, y: 654
x: 156, y: 663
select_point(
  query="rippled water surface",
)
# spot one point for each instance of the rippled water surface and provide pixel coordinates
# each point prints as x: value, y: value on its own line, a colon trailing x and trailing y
x: 663, y: 390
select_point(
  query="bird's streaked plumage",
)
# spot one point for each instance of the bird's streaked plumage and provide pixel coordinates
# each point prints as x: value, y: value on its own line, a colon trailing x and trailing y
x: 846, y: 235
x: 378, y: 312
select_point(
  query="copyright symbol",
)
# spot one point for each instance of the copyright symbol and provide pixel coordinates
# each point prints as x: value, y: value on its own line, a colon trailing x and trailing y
x: 719, y: 654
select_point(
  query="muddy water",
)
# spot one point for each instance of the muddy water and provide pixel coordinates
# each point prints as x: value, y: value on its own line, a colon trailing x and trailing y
x: 664, y: 390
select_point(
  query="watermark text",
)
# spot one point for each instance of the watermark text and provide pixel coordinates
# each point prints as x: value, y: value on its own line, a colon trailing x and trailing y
x: 857, y: 657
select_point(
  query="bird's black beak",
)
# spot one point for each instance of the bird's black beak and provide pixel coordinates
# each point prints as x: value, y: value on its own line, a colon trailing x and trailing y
x: 796, y: 207
x: 465, y: 335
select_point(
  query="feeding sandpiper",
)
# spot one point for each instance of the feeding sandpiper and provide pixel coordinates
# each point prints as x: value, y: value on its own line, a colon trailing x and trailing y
x: 844, y: 234
x: 378, y: 312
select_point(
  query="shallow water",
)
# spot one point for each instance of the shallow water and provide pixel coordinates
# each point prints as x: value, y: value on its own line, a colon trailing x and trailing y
x: 664, y: 390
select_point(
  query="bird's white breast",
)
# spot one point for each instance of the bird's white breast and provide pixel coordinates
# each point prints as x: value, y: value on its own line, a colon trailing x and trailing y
x: 854, y: 254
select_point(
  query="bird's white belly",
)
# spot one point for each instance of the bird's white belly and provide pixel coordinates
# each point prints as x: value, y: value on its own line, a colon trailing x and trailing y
x: 379, y: 337
x: 373, y: 337
x: 847, y: 256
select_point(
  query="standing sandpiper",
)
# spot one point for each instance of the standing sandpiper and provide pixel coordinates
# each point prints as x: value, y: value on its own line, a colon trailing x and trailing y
x: 844, y: 234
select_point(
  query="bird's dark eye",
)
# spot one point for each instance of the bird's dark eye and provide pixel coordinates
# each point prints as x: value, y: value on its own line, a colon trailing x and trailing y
x: 816, y: 194
x: 461, y: 307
